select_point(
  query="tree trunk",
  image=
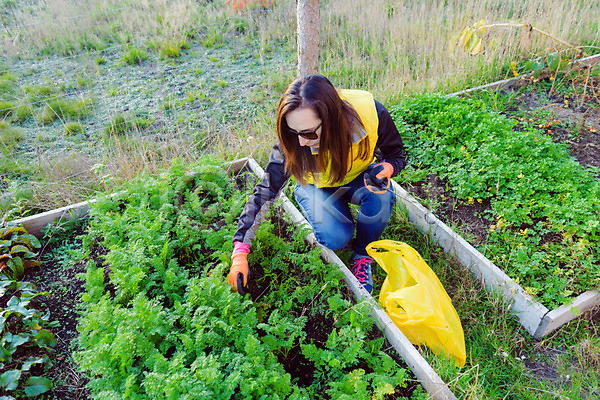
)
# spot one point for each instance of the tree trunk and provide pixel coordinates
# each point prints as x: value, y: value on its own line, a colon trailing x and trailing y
x: 308, y: 37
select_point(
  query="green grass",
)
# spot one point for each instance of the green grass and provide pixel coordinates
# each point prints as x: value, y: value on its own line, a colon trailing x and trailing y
x: 122, y: 124
x: 172, y: 48
x: 64, y: 109
x: 72, y: 128
x: 8, y: 107
x: 134, y: 56
x: 40, y: 92
x: 7, y: 83
x: 10, y: 137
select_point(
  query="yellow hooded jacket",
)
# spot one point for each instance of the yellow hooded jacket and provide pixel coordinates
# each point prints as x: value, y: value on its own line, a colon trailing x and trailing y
x: 364, y: 105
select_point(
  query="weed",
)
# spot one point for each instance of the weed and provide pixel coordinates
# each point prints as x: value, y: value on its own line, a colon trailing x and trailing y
x: 7, y: 83
x: 64, y: 109
x: 40, y: 92
x: 10, y: 137
x: 240, y: 25
x: 213, y: 39
x: 84, y: 81
x: 172, y: 48
x: 277, y: 81
x: 124, y: 123
x: 134, y: 56
x: 497, y: 100
x: 72, y: 128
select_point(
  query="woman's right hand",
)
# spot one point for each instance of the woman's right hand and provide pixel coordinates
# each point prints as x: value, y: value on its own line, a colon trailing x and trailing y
x: 239, y: 272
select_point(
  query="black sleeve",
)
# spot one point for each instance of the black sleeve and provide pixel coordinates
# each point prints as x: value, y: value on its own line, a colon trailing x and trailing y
x: 262, y: 197
x: 389, y: 146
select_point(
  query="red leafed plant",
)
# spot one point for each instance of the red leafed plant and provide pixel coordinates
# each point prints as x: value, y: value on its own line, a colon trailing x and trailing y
x: 240, y: 5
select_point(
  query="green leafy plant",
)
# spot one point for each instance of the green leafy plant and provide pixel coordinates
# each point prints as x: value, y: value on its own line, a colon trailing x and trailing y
x: 17, y: 248
x: 22, y: 328
x: 535, y: 188
x: 160, y: 319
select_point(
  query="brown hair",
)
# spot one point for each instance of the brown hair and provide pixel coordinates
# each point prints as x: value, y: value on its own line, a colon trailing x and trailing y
x: 339, y: 121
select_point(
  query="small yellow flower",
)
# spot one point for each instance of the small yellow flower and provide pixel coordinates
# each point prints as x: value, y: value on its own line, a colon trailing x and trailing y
x: 521, y: 176
x: 531, y: 290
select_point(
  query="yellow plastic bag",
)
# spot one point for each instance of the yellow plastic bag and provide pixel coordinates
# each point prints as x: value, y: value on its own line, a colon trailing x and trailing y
x: 416, y: 301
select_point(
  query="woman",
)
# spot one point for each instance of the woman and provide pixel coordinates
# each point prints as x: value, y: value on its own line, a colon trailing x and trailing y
x: 329, y: 140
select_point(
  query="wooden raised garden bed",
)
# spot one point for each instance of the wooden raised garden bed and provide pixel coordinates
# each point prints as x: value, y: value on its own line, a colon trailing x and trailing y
x: 536, y: 318
x: 428, y: 378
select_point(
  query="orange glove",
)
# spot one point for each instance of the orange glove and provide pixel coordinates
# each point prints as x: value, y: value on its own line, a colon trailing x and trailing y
x: 239, y: 272
x: 377, y: 179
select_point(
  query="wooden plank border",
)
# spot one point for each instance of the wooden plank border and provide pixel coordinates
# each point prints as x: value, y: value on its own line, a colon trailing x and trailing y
x: 35, y: 223
x: 430, y: 380
x: 507, y: 83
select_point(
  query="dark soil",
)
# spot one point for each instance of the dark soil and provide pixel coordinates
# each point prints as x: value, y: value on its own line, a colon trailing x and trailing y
x: 577, y: 109
x: 469, y: 217
x: 61, y: 279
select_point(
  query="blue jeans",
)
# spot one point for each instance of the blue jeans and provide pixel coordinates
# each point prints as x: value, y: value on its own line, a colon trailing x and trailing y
x: 328, y: 212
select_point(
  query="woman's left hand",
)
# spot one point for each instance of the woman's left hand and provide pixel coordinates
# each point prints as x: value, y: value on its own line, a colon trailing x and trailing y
x: 377, y: 179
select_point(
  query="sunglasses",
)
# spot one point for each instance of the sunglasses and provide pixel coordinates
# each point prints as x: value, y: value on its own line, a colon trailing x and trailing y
x: 310, y: 134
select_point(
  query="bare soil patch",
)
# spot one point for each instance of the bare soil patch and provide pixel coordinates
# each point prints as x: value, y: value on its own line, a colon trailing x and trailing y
x: 62, y: 279
x: 577, y: 107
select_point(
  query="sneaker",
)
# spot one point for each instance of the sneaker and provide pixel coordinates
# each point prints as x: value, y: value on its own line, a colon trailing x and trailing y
x: 361, y: 269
